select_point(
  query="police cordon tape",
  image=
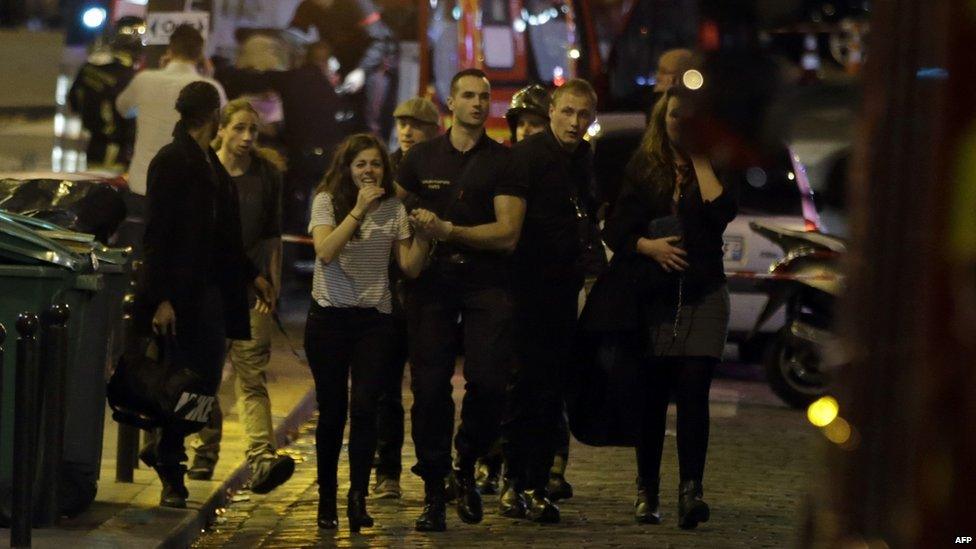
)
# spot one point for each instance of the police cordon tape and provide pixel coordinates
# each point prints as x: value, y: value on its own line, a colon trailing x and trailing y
x: 297, y: 239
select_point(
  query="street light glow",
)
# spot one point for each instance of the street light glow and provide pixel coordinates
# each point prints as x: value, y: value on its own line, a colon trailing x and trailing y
x: 94, y: 17
x: 823, y: 411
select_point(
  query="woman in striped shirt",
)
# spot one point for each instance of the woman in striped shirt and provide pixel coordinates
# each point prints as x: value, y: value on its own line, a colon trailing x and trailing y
x: 356, y: 223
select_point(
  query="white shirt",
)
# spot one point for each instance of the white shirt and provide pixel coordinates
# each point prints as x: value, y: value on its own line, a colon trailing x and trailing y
x: 359, y: 277
x: 151, y: 98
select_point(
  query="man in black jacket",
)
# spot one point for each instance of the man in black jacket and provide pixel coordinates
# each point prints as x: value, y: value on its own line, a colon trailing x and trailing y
x: 471, y: 205
x: 196, y: 272
x: 548, y: 275
x: 92, y: 96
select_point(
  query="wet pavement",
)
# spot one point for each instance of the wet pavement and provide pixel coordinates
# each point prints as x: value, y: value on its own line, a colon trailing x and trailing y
x: 762, y: 459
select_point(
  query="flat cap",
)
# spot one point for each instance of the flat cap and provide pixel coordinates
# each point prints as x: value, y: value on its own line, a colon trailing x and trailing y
x: 418, y: 108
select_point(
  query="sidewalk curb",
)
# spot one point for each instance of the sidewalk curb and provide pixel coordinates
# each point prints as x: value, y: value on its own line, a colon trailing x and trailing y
x: 190, y: 528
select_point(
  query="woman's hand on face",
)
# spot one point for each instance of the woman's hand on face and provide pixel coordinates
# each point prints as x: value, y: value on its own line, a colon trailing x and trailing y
x: 366, y: 199
x: 663, y: 250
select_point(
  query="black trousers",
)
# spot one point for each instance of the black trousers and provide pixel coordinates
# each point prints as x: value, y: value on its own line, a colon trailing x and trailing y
x: 690, y: 379
x: 201, y: 346
x: 389, y: 410
x: 339, y: 341
x: 534, y: 430
x: 433, y: 305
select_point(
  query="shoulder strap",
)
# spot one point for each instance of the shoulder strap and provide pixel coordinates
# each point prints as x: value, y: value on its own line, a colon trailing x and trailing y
x: 458, y: 188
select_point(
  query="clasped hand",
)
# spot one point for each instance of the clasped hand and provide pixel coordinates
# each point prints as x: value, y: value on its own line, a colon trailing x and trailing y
x: 428, y: 226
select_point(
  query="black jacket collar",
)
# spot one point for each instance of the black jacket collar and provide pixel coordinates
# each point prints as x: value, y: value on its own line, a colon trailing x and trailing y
x: 448, y: 147
x: 581, y: 150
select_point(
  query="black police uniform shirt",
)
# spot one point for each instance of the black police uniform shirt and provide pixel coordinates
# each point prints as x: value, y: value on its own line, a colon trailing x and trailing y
x: 354, y: 29
x: 558, y: 183
x: 433, y: 171
x: 92, y: 95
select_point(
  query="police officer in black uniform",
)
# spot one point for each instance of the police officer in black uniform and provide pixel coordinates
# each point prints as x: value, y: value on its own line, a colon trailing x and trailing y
x: 548, y: 275
x: 528, y: 114
x: 92, y: 95
x: 470, y: 204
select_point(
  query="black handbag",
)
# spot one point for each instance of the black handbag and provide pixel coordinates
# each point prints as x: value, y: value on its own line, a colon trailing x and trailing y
x: 150, y: 388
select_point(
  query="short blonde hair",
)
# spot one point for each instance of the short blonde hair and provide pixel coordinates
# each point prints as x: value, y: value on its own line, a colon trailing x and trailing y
x: 576, y: 86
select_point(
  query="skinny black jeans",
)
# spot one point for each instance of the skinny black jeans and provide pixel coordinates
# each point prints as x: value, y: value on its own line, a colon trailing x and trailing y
x: 340, y: 340
x: 690, y: 379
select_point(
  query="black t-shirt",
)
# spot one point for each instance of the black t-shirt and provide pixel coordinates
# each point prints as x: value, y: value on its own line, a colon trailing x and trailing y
x: 460, y: 187
x: 353, y: 28
x: 558, y: 183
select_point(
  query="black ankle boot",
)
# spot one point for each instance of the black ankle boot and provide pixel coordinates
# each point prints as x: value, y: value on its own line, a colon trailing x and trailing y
x: 511, y: 502
x: 174, y: 491
x: 486, y: 476
x: 539, y: 508
x: 691, y: 508
x: 647, y: 507
x: 328, y: 518
x: 356, y: 511
x: 470, y: 508
x: 434, y: 516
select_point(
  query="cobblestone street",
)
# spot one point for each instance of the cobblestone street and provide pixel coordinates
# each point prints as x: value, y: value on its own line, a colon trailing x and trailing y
x: 762, y: 459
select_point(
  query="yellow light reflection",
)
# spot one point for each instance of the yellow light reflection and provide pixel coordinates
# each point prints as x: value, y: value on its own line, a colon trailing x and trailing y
x: 838, y: 432
x: 823, y: 411
x: 693, y: 79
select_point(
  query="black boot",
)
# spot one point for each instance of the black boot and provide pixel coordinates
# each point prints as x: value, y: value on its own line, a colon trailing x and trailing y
x: 691, y: 508
x: 486, y: 475
x: 469, y: 505
x: 539, y: 508
x: 647, y: 507
x: 328, y: 518
x: 511, y: 502
x: 174, y: 492
x: 434, y: 516
x: 558, y: 487
x: 356, y: 511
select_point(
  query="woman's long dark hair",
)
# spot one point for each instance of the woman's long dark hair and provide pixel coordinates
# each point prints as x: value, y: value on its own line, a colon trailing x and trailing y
x: 338, y: 180
x: 652, y: 166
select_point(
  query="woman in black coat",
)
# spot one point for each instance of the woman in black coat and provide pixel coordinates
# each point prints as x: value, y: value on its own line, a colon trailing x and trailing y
x: 669, y: 218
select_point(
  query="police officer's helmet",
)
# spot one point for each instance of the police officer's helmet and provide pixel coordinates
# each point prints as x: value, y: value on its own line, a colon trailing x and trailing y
x: 532, y: 99
x: 128, y: 34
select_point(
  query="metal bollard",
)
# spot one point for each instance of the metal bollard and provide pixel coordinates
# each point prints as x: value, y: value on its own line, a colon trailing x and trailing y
x: 127, y: 441
x: 54, y: 364
x: 24, y: 429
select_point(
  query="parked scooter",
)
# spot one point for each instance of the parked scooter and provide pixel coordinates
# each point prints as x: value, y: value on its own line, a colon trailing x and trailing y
x: 807, y: 281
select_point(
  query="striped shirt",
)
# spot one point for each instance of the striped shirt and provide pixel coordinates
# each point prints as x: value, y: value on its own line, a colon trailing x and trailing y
x: 359, y: 277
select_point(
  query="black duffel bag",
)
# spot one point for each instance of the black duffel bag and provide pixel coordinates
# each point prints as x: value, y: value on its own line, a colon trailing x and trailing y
x: 603, y: 402
x: 604, y: 408
x: 149, y: 388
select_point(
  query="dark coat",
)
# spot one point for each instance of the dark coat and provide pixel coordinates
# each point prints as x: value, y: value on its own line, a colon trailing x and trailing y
x: 193, y: 237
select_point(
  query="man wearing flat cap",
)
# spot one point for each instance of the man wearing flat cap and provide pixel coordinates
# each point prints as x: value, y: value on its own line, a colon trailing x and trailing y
x: 417, y: 120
